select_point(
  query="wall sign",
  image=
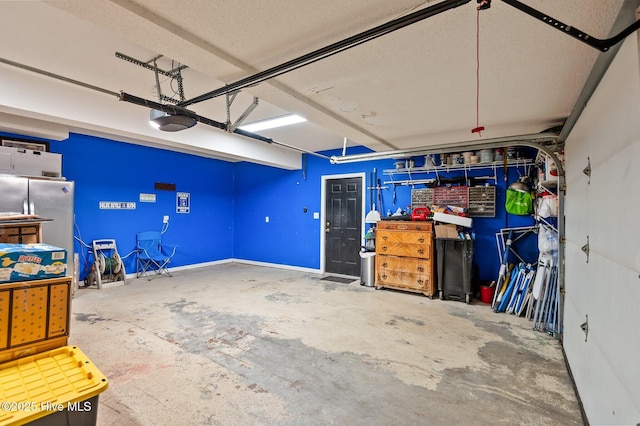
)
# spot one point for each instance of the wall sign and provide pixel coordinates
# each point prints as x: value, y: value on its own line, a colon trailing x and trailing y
x: 183, y: 202
x: 147, y: 198
x: 117, y: 205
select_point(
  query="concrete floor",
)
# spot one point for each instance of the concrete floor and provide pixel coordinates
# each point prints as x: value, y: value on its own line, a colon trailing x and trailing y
x: 237, y: 344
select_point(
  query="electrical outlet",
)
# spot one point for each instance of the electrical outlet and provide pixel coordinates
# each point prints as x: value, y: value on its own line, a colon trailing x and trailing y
x: 165, y: 219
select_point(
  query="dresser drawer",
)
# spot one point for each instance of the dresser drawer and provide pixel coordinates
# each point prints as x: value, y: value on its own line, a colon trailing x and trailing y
x: 404, y: 225
x: 422, y: 251
x: 405, y: 281
x: 410, y: 237
x: 410, y: 265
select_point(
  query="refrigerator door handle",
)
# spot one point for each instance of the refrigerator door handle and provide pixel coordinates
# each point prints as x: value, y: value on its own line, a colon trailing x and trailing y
x: 25, y: 206
x: 32, y: 208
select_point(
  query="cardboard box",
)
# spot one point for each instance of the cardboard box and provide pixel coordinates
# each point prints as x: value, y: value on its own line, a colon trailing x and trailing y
x: 23, y: 262
x: 452, y: 218
x: 446, y: 231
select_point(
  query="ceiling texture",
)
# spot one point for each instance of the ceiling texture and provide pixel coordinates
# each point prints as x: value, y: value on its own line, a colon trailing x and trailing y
x: 425, y: 84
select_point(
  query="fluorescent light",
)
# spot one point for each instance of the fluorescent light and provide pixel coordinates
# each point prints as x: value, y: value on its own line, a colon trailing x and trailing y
x: 272, y: 123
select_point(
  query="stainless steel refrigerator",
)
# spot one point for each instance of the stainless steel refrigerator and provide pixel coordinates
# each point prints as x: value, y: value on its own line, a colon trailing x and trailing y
x: 49, y: 199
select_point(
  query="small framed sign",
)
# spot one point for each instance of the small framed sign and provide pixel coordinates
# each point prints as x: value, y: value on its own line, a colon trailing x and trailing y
x: 147, y: 198
x: 183, y: 202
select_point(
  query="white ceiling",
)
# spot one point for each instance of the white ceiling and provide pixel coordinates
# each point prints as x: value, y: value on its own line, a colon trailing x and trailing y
x: 414, y: 87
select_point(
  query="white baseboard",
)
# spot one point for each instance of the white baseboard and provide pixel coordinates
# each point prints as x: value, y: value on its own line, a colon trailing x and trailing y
x: 234, y: 260
x: 193, y: 266
x: 277, y: 265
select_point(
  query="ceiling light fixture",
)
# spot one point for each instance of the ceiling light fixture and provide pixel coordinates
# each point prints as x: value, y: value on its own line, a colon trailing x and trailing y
x: 272, y: 123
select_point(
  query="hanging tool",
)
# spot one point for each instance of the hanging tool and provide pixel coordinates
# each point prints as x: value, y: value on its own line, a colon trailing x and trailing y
x: 505, y: 169
x: 394, y: 194
x: 379, y: 187
x: 393, y: 184
x: 371, y: 185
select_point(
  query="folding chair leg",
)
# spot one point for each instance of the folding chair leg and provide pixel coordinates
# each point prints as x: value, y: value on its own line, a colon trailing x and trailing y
x: 164, y: 269
x: 147, y: 269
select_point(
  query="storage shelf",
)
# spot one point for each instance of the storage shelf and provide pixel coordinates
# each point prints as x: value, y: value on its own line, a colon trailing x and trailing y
x: 21, y: 220
x: 434, y: 170
x: 460, y: 167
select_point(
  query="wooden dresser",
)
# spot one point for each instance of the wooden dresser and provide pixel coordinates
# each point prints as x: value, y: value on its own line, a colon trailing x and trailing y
x: 405, y: 256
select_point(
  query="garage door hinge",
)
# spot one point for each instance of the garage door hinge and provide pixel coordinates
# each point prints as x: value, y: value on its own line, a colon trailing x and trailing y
x: 585, y: 327
x: 585, y: 249
x: 587, y: 170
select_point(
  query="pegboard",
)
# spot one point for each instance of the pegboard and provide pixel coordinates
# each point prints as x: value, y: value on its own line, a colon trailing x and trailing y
x: 34, y: 316
x: 29, y: 315
x: 58, y: 310
x: 5, y: 298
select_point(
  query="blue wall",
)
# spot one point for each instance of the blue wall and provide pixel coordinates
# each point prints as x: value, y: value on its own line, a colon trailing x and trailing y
x: 229, y: 204
x: 113, y: 171
x: 292, y: 237
x: 106, y: 170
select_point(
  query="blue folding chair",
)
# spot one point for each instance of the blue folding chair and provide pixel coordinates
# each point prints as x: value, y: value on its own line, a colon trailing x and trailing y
x: 152, y: 257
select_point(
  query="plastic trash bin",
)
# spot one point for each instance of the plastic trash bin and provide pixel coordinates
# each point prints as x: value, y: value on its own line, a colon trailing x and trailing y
x: 454, y: 264
x: 367, y: 268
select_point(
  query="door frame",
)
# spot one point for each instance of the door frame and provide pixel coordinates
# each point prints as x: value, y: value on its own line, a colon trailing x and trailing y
x: 323, y: 203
